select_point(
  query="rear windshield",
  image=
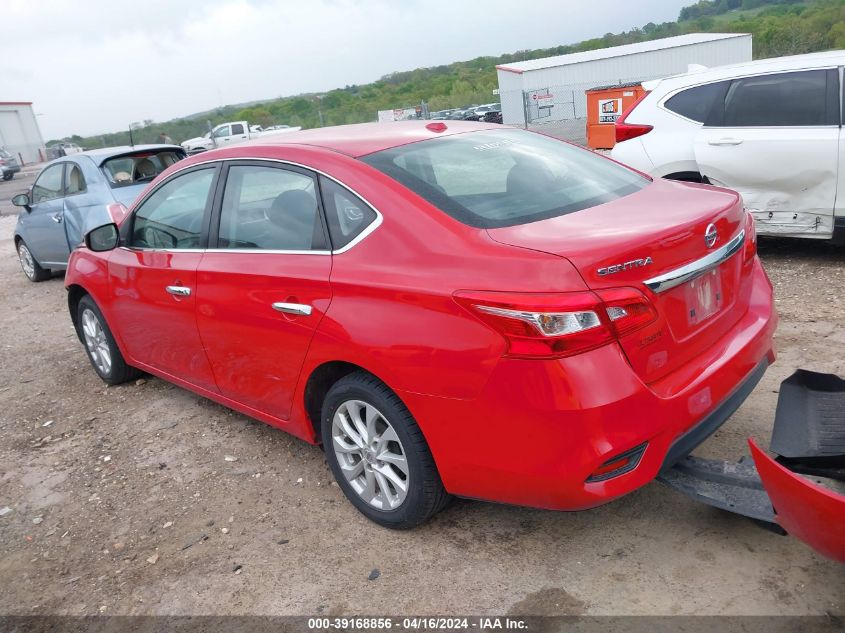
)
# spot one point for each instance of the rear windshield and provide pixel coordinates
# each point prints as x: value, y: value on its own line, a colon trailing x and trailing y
x: 138, y: 167
x: 500, y: 178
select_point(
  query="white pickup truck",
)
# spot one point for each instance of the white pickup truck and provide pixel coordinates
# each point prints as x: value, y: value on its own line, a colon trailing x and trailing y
x: 230, y: 133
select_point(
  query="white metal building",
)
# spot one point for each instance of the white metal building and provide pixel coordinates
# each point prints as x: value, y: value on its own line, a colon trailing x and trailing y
x: 552, y: 89
x: 19, y: 132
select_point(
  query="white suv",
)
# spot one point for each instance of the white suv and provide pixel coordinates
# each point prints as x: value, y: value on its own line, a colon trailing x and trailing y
x: 769, y: 129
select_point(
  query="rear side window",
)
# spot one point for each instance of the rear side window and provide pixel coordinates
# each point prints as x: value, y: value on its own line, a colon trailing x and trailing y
x: 495, y: 178
x: 346, y: 214
x: 75, y: 180
x: 695, y: 103
x: 270, y: 208
x: 805, y: 98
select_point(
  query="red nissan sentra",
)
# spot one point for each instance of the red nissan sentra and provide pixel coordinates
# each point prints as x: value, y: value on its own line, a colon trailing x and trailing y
x: 450, y: 309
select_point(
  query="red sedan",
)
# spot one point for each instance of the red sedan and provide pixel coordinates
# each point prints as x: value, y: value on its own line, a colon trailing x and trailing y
x: 449, y: 309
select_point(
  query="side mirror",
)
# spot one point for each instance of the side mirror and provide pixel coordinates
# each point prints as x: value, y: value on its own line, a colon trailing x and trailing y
x: 22, y: 200
x: 103, y: 238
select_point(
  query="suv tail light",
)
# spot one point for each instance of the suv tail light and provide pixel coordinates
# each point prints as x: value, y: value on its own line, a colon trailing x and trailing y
x: 627, y: 131
x: 559, y: 325
x: 750, y: 237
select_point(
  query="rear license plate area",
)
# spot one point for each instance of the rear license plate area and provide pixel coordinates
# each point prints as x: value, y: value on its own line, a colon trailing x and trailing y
x: 704, y: 297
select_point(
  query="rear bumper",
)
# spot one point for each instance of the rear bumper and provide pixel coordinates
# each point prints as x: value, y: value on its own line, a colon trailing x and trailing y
x: 541, y: 428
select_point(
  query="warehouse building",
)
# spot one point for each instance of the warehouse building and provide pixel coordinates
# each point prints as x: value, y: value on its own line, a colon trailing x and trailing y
x: 19, y: 133
x: 551, y: 90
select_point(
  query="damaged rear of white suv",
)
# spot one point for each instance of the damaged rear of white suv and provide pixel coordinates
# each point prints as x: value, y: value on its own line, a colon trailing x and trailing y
x: 770, y: 129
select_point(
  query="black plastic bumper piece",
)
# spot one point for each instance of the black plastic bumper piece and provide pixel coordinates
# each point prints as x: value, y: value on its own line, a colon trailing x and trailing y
x: 686, y: 443
x: 731, y: 486
x: 810, y: 418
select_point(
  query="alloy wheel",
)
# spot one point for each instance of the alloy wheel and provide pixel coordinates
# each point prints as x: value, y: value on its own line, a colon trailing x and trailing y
x: 96, y: 341
x: 370, y: 455
x: 27, y: 262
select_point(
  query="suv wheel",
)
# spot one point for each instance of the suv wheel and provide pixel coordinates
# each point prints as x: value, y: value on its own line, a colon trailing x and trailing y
x: 378, y: 454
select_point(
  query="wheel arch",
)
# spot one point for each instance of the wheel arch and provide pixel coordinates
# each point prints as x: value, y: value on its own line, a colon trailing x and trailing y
x: 75, y: 292
x: 320, y: 380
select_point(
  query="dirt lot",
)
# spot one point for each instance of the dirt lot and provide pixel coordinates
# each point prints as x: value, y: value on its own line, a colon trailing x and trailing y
x: 122, y: 501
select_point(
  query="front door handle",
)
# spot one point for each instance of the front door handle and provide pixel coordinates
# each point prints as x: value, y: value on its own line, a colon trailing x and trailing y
x: 178, y: 291
x: 292, y: 308
x: 725, y: 141
x: 57, y: 218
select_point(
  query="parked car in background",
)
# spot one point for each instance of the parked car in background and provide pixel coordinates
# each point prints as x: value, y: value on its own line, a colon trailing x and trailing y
x: 768, y: 129
x: 458, y: 115
x: 479, y: 112
x: 572, y: 326
x: 230, y: 133
x: 57, y: 150
x: 75, y: 193
x: 493, y: 115
x: 9, y: 165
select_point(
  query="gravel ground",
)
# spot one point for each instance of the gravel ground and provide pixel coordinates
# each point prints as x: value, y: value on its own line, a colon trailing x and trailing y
x: 121, y: 500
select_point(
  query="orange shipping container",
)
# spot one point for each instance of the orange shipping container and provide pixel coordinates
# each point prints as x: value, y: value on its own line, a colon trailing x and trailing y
x: 605, y: 104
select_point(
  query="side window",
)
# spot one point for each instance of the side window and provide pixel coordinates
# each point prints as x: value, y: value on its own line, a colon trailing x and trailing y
x: 75, y: 181
x: 223, y: 131
x: 270, y: 208
x: 346, y: 214
x: 782, y: 100
x: 237, y: 128
x: 695, y: 103
x: 172, y: 217
x: 49, y: 184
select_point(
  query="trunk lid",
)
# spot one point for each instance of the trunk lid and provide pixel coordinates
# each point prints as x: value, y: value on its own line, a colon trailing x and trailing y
x: 647, y: 234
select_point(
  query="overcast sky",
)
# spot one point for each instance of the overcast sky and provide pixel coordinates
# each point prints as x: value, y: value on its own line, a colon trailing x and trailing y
x: 94, y: 66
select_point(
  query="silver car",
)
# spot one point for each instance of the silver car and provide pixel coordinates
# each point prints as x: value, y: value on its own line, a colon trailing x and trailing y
x: 76, y: 193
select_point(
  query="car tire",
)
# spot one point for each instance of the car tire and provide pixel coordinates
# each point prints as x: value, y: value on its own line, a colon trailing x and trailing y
x: 100, y: 345
x: 9, y: 176
x: 30, y: 266
x: 374, y: 448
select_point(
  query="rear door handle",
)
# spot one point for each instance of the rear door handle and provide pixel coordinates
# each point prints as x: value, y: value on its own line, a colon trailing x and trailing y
x: 292, y: 308
x: 178, y: 291
x: 57, y: 218
x: 725, y: 141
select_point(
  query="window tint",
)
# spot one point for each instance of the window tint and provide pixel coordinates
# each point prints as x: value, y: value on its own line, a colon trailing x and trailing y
x: 695, y: 103
x: 269, y: 208
x: 346, y: 214
x: 172, y: 217
x: 49, y: 184
x: 503, y: 178
x: 237, y: 128
x: 75, y: 181
x: 783, y: 99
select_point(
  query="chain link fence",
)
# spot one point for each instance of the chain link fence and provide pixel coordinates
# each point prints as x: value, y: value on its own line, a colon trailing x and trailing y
x: 559, y: 111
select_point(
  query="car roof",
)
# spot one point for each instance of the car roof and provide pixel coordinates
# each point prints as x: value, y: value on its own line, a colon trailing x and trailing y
x: 366, y: 138
x: 771, y: 64
x: 103, y: 154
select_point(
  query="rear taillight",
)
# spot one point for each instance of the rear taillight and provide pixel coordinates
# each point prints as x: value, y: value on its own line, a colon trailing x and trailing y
x: 750, y: 237
x: 627, y: 131
x: 117, y: 212
x: 628, y: 309
x: 559, y: 325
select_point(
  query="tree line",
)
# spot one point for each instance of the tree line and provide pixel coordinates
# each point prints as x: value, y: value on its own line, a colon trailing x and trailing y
x: 779, y: 27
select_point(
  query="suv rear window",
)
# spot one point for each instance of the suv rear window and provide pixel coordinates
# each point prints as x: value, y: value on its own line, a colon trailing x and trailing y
x: 494, y: 178
x: 695, y: 103
x: 139, y: 167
